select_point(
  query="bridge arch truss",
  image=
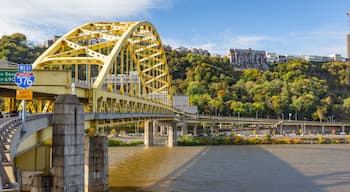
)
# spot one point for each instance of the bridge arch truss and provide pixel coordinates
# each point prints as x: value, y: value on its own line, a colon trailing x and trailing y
x: 120, y: 66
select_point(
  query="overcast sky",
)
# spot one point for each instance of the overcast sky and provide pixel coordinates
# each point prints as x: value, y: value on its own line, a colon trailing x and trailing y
x: 284, y: 26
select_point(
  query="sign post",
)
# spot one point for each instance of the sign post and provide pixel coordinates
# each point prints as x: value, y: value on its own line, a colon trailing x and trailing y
x: 24, y: 78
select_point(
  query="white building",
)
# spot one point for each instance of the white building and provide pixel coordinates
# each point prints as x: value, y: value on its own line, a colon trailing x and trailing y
x: 271, y: 57
x: 336, y: 57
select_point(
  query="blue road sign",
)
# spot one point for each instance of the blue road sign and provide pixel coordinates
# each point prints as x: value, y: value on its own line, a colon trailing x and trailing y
x: 24, y: 68
x: 24, y: 80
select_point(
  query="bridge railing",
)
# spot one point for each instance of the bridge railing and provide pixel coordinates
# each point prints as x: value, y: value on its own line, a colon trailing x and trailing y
x: 252, y: 119
x: 98, y: 115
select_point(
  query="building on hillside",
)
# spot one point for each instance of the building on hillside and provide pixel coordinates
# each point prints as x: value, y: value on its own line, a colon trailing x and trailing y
x: 295, y: 57
x: 247, y: 58
x: 217, y: 55
x: 182, y: 49
x: 200, y: 51
x: 336, y: 57
x: 282, y: 58
x: 316, y: 58
x: 49, y: 42
x: 271, y: 57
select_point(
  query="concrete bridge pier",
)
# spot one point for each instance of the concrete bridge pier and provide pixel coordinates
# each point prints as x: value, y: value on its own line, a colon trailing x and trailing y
x: 162, y: 129
x: 155, y: 128
x: 281, y: 129
x: 184, y: 130
x: 195, y: 127
x: 137, y: 124
x: 68, y: 145
x: 96, y: 164
x: 148, y: 135
x: 322, y: 129
x: 172, y: 135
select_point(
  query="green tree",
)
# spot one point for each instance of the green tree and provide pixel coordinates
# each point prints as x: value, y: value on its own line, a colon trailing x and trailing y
x: 14, y: 48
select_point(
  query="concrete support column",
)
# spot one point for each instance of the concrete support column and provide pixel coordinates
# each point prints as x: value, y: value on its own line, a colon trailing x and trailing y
x: 281, y: 129
x: 148, y: 136
x: 184, y: 130
x: 343, y: 128
x: 322, y: 129
x: 195, y: 129
x: 154, y: 128
x: 212, y: 130
x: 68, y: 145
x: 162, y: 129
x: 137, y: 128
x: 96, y: 164
x: 172, y: 135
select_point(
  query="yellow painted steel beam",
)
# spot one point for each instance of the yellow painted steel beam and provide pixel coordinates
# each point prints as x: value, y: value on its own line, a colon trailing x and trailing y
x: 115, y: 50
x: 72, y: 60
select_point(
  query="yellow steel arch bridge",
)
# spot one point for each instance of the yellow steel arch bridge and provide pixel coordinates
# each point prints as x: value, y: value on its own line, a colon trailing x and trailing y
x: 110, y: 66
x: 118, y: 70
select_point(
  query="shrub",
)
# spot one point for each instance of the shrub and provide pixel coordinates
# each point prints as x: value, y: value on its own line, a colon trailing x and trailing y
x: 115, y: 143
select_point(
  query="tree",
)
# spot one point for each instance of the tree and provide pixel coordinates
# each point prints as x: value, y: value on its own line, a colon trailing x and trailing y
x: 320, y: 114
x: 195, y: 87
x: 14, y: 48
x: 346, y: 105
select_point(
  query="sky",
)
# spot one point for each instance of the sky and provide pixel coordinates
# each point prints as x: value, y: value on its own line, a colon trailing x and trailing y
x: 296, y: 27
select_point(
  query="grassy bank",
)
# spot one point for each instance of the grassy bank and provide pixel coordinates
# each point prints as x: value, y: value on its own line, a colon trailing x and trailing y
x: 116, y: 143
x: 238, y: 140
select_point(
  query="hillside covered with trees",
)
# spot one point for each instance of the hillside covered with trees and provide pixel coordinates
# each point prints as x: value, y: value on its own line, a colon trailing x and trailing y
x: 15, y: 48
x: 303, y: 89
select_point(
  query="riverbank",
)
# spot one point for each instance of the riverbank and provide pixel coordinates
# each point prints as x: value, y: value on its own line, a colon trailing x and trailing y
x: 268, y: 139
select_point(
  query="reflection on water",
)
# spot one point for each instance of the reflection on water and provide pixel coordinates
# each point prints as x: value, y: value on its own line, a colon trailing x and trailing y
x: 134, y: 168
x: 263, y: 168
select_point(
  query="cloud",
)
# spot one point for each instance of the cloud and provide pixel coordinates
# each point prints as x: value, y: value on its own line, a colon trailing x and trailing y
x: 222, y: 43
x: 244, y: 41
x: 175, y: 43
x: 40, y: 19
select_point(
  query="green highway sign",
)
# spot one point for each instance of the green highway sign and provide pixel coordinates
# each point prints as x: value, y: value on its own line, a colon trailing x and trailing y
x: 7, y: 76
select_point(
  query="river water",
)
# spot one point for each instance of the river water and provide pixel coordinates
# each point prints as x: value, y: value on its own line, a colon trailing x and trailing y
x: 259, y: 168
